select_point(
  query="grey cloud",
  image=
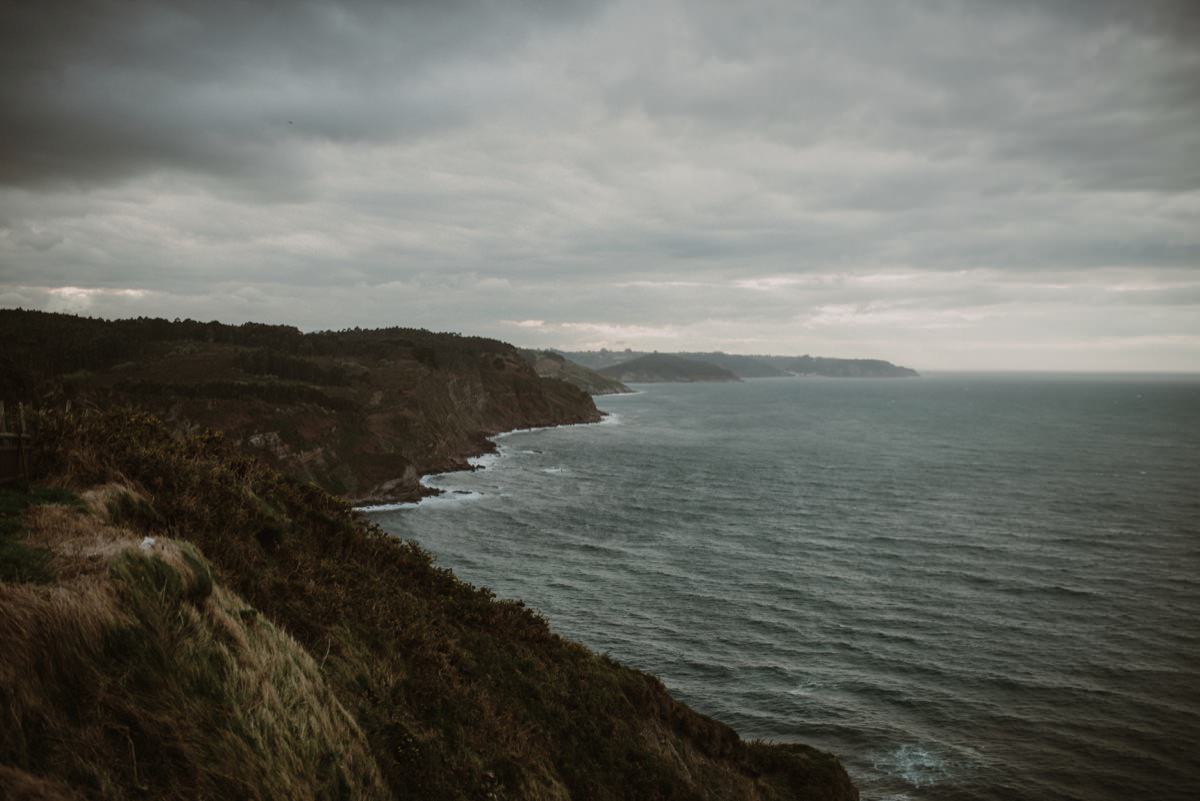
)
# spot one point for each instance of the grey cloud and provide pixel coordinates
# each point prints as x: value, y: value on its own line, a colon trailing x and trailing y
x: 99, y: 90
x: 616, y: 169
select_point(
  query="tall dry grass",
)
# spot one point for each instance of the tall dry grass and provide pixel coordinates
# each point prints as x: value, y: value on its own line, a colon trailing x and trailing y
x: 141, y: 677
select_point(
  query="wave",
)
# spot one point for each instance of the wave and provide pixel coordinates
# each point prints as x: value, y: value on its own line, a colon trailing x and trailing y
x: 866, y: 589
x: 610, y: 418
x: 445, y: 498
x: 915, y: 764
x: 386, y: 507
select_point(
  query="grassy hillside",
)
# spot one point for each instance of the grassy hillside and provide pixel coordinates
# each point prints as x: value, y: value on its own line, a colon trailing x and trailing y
x: 663, y: 367
x: 131, y: 673
x: 361, y: 413
x: 269, y: 643
x: 549, y: 364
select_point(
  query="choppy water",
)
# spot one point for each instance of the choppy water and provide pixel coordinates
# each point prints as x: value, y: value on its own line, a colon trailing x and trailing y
x: 968, y: 586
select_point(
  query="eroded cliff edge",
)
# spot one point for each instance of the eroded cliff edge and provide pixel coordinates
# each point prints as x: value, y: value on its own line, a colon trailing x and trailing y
x: 361, y: 413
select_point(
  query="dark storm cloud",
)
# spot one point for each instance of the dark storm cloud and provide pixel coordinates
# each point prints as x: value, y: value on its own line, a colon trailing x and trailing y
x: 96, y: 91
x: 917, y: 180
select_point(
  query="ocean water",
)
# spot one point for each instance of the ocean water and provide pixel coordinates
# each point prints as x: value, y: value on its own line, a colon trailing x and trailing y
x: 968, y: 586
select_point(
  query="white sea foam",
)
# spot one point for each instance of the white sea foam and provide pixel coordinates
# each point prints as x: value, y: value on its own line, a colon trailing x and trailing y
x: 451, y: 498
x: 916, y: 765
x: 609, y: 419
x: 484, y: 460
x: 385, y: 507
x: 446, y: 498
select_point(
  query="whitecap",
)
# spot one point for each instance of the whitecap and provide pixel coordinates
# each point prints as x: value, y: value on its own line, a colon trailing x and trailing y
x: 385, y: 507
x: 484, y: 460
x: 916, y: 765
x: 451, y: 498
x: 447, y: 497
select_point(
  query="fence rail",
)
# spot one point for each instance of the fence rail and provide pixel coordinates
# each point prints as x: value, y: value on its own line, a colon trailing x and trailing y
x: 14, y: 448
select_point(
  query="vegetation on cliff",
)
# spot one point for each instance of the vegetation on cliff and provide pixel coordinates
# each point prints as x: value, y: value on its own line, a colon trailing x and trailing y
x: 361, y: 413
x: 549, y: 364
x: 664, y: 367
x: 269, y: 643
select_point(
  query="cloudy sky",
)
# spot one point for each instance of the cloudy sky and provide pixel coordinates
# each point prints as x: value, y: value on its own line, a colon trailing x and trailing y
x: 943, y: 184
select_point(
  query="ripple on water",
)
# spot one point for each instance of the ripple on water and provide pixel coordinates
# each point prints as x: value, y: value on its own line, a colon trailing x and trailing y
x: 966, y: 587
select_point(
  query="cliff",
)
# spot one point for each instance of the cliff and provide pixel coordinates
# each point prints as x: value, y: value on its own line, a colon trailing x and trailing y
x: 662, y: 367
x: 361, y: 413
x: 549, y: 364
x: 181, y: 621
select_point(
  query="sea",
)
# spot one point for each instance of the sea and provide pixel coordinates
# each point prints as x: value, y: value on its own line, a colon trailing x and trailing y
x: 968, y: 586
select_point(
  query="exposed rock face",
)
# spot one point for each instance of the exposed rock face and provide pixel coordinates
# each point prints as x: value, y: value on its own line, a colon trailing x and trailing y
x: 359, y: 413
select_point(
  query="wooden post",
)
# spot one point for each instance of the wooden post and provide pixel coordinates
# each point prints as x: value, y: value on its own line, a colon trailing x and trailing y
x: 22, y: 455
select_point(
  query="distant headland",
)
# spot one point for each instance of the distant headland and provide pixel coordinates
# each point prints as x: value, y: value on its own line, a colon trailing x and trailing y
x: 641, y: 366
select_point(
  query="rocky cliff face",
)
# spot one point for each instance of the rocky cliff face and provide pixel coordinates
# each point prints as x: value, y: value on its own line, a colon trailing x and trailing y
x: 359, y: 413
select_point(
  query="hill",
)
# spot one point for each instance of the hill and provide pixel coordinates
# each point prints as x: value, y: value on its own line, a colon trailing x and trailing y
x: 548, y: 364
x: 837, y: 368
x: 751, y: 366
x: 361, y: 413
x: 181, y: 621
x: 664, y: 367
x: 739, y: 365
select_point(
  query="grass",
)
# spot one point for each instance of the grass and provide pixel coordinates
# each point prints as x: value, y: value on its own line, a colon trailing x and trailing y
x: 20, y: 562
x: 147, y: 679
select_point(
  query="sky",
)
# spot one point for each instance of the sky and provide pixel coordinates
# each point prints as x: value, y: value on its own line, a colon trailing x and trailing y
x: 946, y: 185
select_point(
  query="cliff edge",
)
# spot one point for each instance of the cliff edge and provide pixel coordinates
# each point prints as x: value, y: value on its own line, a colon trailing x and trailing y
x: 361, y: 413
x: 181, y: 620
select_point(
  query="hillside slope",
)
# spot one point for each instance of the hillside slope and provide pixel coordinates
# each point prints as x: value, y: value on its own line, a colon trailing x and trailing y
x: 361, y: 413
x: 132, y: 673
x: 548, y: 364
x: 663, y: 367
x: 456, y: 695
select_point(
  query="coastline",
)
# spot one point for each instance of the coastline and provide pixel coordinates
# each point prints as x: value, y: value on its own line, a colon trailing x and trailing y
x: 477, y: 461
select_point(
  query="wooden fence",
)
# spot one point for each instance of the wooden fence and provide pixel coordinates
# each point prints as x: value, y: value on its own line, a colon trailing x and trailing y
x: 14, y: 447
